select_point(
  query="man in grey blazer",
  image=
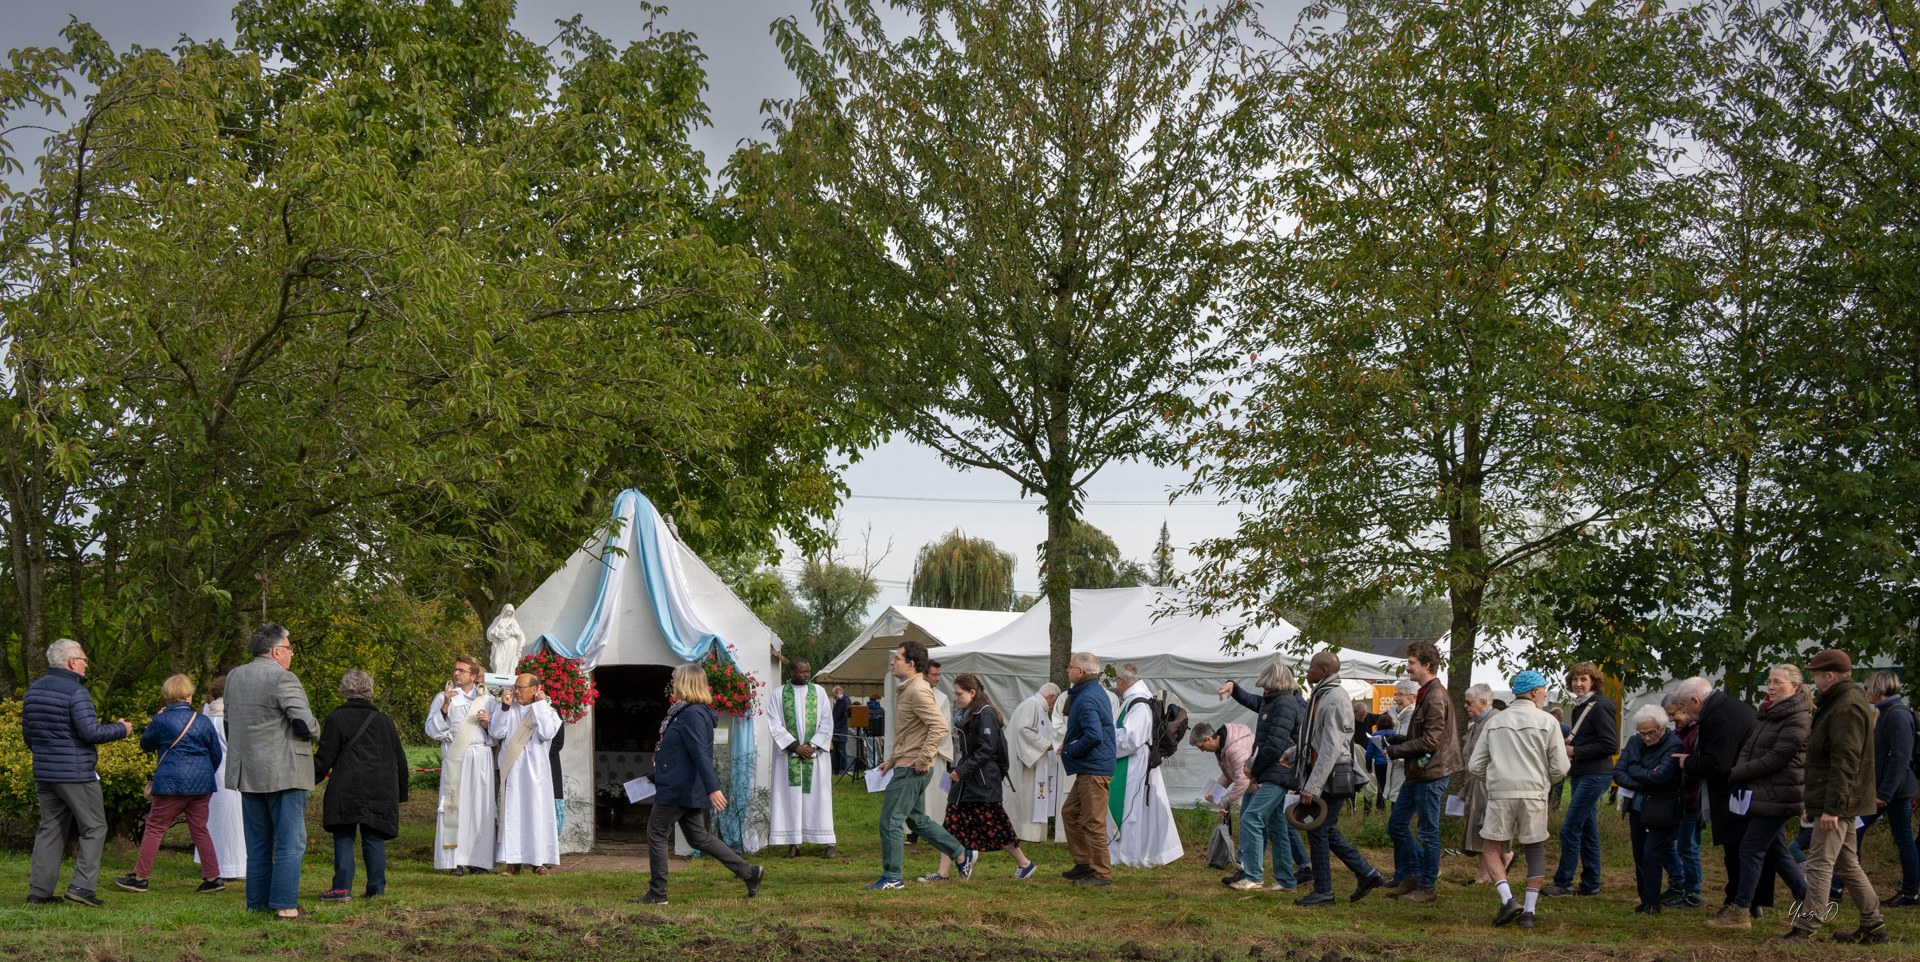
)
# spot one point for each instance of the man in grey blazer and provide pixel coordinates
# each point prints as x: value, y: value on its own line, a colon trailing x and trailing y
x: 270, y: 734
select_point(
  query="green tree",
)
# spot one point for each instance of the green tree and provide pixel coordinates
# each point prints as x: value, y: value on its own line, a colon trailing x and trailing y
x: 1164, y: 573
x: 962, y: 572
x: 1011, y: 224
x: 1092, y: 560
x: 1464, y: 347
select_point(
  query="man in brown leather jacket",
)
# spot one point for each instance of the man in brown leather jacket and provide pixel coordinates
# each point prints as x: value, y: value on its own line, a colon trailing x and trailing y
x: 1431, y: 749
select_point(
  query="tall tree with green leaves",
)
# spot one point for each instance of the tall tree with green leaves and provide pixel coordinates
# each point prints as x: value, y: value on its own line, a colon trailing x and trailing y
x: 1091, y: 559
x: 1012, y: 223
x: 1163, y: 570
x: 962, y: 572
x: 1464, y: 343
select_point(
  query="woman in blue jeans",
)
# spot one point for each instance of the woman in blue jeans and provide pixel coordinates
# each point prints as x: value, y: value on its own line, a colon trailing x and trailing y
x: 1683, y: 856
x: 1262, y: 822
x: 366, y: 770
x: 1594, y: 740
x: 1895, y: 786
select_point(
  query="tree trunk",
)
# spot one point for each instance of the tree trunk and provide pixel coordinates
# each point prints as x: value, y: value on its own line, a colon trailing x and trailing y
x: 1058, y: 589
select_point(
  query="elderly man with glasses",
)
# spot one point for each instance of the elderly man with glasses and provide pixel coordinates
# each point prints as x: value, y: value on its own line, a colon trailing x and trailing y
x: 523, y: 727
x: 61, y: 730
x: 270, y: 731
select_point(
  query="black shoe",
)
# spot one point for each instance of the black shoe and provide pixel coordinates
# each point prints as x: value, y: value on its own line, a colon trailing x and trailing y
x: 1555, y: 891
x: 1316, y: 899
x: 457, y: 871
x: 1526, y: 920
x: 1875, y: 934
x: 1077, y: 873
x: 1903, y: 899
x: 131, y: 882
x: 371, y: 894
x: 1592, y: 891
x: 651, y: 899
x: 1092, y: 881
x: 87, y: 899
x: 753, y: 884
x: 1367, y: 884
x: 42, y: 900
x: 1509, y: 910
x: 211, y: 885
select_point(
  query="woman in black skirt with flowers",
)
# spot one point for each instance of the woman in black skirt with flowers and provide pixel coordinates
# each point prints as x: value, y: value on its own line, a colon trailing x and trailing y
x: 975, y: 816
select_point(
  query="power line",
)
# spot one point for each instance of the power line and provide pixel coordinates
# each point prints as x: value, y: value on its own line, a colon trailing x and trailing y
x: 1035, y: 503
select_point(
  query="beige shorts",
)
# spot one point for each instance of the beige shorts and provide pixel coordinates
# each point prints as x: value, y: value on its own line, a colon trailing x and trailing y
x: 1522, y: 820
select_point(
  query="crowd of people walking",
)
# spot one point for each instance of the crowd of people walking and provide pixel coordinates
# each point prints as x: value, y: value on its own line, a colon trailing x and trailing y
x: 1786, y: 790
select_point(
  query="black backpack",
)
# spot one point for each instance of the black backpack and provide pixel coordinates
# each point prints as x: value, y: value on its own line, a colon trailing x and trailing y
x: 1169, y: 730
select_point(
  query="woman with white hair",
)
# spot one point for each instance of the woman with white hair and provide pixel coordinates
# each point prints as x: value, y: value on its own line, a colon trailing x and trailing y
x: 366, y: 770
x: 1281, y: 712
x: 1649, y: 777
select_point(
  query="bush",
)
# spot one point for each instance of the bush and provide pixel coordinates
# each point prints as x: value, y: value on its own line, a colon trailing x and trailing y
x: 124, y: 771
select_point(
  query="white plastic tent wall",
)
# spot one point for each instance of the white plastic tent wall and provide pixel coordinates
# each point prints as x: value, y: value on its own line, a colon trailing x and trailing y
x: 1174, y: 651
x: 862, y: 665
x: 562, y: 606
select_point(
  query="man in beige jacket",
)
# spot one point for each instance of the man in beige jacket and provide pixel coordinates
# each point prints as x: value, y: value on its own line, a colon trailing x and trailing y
x: 918, y: 728
x: 1519, y: 755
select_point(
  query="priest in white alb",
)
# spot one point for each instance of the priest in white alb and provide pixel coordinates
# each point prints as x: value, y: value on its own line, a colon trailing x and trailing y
x: 934, y: 801
x: 800, y: 721
x: 463, y: 828
x: 1035, y: 776
x: 523, y: 727
x: 1140, y: 829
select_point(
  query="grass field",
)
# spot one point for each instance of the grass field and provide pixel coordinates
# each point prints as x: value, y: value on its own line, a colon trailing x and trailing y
x: 815, y: 909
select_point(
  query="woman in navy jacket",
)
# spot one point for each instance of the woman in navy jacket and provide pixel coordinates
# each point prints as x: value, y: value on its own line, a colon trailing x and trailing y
x: 685, y: 786
x: 189, y: 751
x: 1647, y: 767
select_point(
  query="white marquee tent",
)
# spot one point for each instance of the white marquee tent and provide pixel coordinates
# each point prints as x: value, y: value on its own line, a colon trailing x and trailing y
x: 632, y: 604
x: 1174, y: 650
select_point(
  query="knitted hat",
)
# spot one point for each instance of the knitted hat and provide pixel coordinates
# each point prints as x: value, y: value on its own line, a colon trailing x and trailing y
x: 1527, y: 681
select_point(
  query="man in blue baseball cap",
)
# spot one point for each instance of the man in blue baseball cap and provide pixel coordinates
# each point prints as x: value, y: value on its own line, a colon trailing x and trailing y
x: 1520, y: 755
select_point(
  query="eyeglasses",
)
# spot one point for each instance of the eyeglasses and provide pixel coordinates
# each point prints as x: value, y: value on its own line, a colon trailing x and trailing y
x: 462, y: 671
x: 517, y: 685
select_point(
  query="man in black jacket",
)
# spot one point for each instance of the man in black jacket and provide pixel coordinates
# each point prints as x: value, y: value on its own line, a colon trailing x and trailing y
x: 1724, y: 724
x: 60, y: 728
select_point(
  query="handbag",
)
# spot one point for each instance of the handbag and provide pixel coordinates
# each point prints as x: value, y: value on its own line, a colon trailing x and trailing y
x: 147, y: 790
x: 1660, y: 811
x: 1221, y: 851
x: 1346, y: 781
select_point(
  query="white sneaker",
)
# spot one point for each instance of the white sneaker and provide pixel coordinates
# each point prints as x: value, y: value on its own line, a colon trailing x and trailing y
x: 1245, y: 885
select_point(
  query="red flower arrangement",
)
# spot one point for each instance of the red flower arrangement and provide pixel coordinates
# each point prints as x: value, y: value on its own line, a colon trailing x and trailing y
x: 570, y: 690
x: 735, y: 692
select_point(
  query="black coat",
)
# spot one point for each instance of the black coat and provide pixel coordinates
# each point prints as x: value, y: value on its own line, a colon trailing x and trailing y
x: 1773, y: 762
x: 1725, y: 724
x: 366, y: 776
x: 683, y: 772
x: 979, y: 741
x: 1281, y: 716
x: 1893, y: 737
x: 1597, y: 739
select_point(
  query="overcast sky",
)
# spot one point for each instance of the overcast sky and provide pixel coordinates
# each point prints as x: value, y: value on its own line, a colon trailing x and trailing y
x: 897, y: 489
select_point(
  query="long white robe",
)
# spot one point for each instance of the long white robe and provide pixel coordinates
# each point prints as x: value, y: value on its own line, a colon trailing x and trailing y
x: 463, y: 824
x: 1146, y: 836
x: 1035, y: 764
x: 801, y: 815
x: 223, y: 809
x: 934, y: 800
x: 529, y: 831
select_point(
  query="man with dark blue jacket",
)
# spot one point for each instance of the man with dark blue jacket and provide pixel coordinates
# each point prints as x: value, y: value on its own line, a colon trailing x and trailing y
x: 60, y: 728
x: 1087, y: 753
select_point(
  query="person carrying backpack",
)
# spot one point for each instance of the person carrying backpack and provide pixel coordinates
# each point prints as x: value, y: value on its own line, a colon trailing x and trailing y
x: 1140, y: 825
x: 975, y: 815
x: 1262, y: 823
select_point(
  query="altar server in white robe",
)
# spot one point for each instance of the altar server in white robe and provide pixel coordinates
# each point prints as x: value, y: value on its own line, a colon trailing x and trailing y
x: 934, y: 801
x: 1035, y: 776
x: 464, y: 834
x: 223, y: 809
x: 800, y: 721
x: 529, y: 833
x: 1140, y: 829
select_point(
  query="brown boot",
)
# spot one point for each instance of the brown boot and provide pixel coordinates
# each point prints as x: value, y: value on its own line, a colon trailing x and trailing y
x: 1402, y: 889
x: 1421, y: 896
x: 1731, y: 917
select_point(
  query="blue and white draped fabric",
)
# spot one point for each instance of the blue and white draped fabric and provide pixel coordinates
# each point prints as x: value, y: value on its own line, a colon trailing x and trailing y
x: 639, y: 534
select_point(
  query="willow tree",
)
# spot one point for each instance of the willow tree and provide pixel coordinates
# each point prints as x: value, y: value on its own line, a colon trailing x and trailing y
x: 1465, y: 343
x: 962, y: 572
x: 1011, y: 224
